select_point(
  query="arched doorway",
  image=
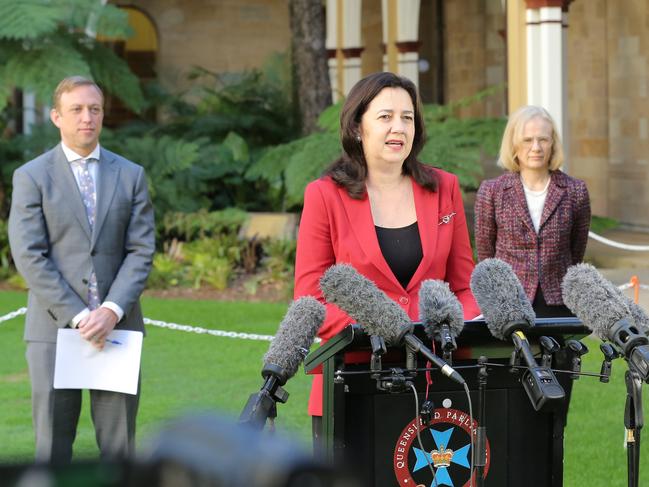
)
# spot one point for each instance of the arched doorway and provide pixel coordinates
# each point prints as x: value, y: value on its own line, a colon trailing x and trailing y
x: 139, y: 52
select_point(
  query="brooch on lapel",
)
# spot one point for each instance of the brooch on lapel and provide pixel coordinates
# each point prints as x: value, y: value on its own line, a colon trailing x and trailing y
x: 446, y: 219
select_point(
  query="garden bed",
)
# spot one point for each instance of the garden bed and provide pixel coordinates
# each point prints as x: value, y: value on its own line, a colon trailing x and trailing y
x: 236, y: 291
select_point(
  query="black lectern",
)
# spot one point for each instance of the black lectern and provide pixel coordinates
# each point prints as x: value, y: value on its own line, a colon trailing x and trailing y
x: 374, y: 432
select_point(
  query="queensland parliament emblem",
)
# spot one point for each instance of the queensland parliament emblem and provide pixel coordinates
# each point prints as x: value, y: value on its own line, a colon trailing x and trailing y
x: 446, y: 441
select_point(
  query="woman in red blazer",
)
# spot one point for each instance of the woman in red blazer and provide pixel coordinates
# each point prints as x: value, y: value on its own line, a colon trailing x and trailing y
x: 534, y: 217
x: 397, y: 221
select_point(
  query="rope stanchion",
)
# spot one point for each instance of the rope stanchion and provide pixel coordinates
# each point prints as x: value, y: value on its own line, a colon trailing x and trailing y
x: 635, y: 283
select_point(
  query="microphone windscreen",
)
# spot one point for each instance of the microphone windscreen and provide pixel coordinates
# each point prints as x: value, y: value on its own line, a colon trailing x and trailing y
x: 638, y: 314
x: 295, y: 335
x: 438, y: 306
x: 500, y: 296
x: 359, y: 297
x: 593, y: 299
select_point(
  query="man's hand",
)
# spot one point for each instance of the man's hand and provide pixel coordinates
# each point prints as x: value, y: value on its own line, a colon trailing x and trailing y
x: 97, y: 325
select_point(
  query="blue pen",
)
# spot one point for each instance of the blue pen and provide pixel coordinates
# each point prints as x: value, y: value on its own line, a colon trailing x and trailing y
x: 114, y: 342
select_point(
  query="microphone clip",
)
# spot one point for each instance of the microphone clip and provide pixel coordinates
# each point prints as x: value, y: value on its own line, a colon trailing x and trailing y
x: 549, y: 346
x: 396, y: 382
x: 610, y: 354
x: 378, y: 349
x: 447, y: 340
x: 576, y: 349
x: 426, y: 411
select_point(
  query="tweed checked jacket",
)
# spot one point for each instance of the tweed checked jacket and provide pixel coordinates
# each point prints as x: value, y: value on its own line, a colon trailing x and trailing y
x: 504, y: 229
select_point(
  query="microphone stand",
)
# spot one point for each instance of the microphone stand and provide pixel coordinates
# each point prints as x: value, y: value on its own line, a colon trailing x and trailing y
x: 480, y: 453
x: 633, y: 422
x: 263, y: 404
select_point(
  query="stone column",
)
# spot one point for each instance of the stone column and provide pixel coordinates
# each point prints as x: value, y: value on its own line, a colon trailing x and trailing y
x: 352, y: 43
x: 546, y: 52
x: 344, y: 45
x: 401, y: 37
x: 516, y: 55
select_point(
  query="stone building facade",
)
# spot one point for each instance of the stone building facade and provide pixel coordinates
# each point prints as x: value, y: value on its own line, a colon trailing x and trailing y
x: 592, y: 54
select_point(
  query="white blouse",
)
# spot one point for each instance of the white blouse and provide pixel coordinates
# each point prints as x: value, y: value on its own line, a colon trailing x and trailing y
x: 535, y: 202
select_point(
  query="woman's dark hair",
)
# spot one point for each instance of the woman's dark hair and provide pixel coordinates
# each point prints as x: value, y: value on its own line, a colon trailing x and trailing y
x: 350, y: 170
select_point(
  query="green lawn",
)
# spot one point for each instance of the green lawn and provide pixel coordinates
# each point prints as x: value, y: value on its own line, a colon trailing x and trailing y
x: 181, y: 372
x: 184, y: 372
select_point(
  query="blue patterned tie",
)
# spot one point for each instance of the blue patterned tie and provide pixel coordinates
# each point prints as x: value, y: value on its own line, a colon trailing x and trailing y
x: 89, y: 197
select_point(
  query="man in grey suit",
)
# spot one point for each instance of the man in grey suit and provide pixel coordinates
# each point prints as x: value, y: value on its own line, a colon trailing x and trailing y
x: 82, y: 235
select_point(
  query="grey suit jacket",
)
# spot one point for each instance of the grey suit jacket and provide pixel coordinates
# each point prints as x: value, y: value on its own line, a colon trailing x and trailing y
x: 55, y: 250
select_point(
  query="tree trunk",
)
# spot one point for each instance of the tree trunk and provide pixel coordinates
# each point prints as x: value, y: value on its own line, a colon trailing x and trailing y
x: 312, y: 89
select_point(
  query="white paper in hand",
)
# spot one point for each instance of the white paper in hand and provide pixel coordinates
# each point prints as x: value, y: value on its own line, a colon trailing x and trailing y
x: 79, y: 365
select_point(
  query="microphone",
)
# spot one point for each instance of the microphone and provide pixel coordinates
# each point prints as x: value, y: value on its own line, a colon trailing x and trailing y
x: 286, y: 352
x: 359, y: 297
x: 638, y: 314
x: 441, y: 313
x: 600, y: 306
x: 509, y: 314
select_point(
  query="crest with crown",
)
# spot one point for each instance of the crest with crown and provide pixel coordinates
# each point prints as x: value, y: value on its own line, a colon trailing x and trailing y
x: 442, y: 457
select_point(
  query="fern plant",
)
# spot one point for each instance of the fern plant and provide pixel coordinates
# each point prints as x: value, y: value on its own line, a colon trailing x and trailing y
x: 169, y: 164
x: 456, y: 145
x: 43, y: 41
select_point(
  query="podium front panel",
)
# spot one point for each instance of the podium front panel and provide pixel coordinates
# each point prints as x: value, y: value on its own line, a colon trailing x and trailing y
x: 375, y: 427
x: 371, y: 431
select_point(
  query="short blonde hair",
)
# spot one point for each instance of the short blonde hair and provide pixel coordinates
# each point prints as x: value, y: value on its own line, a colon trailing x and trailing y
x: 514, y: 134
x: 69, y: 84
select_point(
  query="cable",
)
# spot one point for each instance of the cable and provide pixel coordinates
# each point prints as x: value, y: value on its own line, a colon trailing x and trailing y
x: 471, y: 432
x: 421, y: 443
x: 468, y: 397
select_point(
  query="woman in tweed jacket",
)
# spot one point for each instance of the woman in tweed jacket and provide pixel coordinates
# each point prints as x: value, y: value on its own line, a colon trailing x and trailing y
x: 534, y: 217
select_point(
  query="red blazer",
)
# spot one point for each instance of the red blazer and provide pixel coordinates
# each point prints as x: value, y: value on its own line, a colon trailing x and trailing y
x: 338, y: 229
x: 504, y: 229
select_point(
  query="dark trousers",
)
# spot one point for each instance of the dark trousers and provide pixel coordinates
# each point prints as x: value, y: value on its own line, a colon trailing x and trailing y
x: 55, y: 412
x: 545, y: 310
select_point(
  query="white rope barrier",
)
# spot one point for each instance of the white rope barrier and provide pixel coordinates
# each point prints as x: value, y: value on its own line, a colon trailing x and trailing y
x: 208, y: 331
x: 618, y: 245
x: 13, y: 314
x: 176, y: 326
